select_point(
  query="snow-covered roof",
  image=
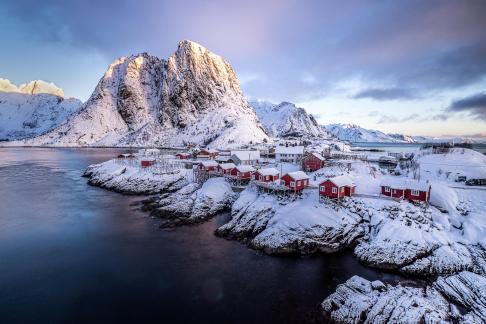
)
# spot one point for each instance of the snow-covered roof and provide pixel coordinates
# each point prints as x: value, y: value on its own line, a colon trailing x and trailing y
x: 246, y: 155
x: 289, y: 150
x: 210, y: 163
x: 402, y: 183
x: 317, y: 155
x: 211, y: 151
x: 226, y: 166
x: 342, y: 181
x: 268, y: 171
x: 298, y: 175
x: 223, y: 158
x: 245, y: 168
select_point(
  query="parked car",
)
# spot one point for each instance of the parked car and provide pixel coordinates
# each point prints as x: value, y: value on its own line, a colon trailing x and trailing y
x: 461, y: 178
x: 476, y: 182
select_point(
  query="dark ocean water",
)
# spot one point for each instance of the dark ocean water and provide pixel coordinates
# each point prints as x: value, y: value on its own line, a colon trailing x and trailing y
x: 72, y: 253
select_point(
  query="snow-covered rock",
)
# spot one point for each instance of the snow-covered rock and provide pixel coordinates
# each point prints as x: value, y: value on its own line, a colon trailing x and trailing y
x: 193, y: 203
x: 193, y: 97
x: 361, y: 301
x: 128, y: 177
x: 32, y: 109
x: 280, y: 226
x: 285, y: 119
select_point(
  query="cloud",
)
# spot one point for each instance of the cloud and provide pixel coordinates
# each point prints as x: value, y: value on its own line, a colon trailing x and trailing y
x: 475, y: 105
x: 385, y: 94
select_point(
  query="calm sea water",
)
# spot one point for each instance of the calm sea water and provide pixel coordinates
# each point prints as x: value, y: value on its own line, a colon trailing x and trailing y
x: 404, y: 147
x: 72, y: 253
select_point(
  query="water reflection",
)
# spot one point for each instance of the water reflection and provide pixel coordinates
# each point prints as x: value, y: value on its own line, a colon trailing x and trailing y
x: 70, y: 252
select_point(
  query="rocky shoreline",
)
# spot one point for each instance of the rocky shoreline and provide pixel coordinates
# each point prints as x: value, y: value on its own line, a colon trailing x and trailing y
x: 416, y: 240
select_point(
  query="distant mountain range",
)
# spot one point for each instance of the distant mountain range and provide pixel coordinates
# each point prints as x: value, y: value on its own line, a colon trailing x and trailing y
x: 355, y: 133
x: 286, y: 120
x: 32, y: 109
x: 193, y: 97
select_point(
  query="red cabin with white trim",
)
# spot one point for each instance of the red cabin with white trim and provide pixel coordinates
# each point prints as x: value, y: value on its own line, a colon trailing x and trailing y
x: 337, y: 187
x: 266, y: 175
x: 208, y: 166
x: 406, y: 189
x: 207, y: 154
x: 242, y: 172
x: 225, y: 168
x: 312, y: 161
x: 295, y: 181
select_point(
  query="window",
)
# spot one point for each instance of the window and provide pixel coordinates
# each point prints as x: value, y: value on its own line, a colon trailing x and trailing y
x: 394, y: 191
x: 334, y: 190
x: 342, y: 189
x: 238, y: 173
x: 387, y: 189
x: 415, y: 193
x: 292, y: 183
x: 267, y: 177
x: 261, y: 178
x: 322, y: 188
x: 298, y: 183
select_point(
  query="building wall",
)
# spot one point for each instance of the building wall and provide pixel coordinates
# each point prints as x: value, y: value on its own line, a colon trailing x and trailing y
x: 421, y: 197
x: 298, y: 186
x: 311, y: 163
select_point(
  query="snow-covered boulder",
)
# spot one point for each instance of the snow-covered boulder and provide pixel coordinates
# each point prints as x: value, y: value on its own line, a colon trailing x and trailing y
x: 193, y: 203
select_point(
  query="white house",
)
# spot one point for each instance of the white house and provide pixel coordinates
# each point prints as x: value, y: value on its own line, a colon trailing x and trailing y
x: 292, y: 154
x: 245, y: 157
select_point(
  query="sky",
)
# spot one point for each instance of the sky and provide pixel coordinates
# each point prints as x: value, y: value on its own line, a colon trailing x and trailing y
x: 412, y: 67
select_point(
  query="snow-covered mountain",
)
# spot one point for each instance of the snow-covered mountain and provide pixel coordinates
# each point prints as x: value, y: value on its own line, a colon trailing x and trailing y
x: 285, y: 119
x: 193, y: 97
x: 32, y: 109
x: 355, y: 133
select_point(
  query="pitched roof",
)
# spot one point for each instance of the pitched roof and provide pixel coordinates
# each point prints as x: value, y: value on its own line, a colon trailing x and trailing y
x: 268, y: 171
x: 210, y: 163
x: 245, y: 168
x: 403, y: 183
x: 317, y: 155
x: 341, y: 181
x: 298, y: 175
x: 226, y: 166
x: 246, y: 155
x: 289, y: 150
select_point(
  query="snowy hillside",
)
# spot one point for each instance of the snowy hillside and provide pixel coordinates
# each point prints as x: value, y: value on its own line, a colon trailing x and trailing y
x: 355, y: 133
x: 193, y: 97
x: 285, y: 119
x: 32, y: 109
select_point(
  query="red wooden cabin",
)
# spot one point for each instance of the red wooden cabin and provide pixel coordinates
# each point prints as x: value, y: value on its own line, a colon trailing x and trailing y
x: 337, y: 187
x: 312, y: 161
x: 208, y: 153
x: 296, y: 181
x: 406, y: 189
x: 147, y: 162
x: 242, y: 172
x: 208, y: 166
x: 183, y: 156
x: 266, y: 175
x: 225, y: 168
